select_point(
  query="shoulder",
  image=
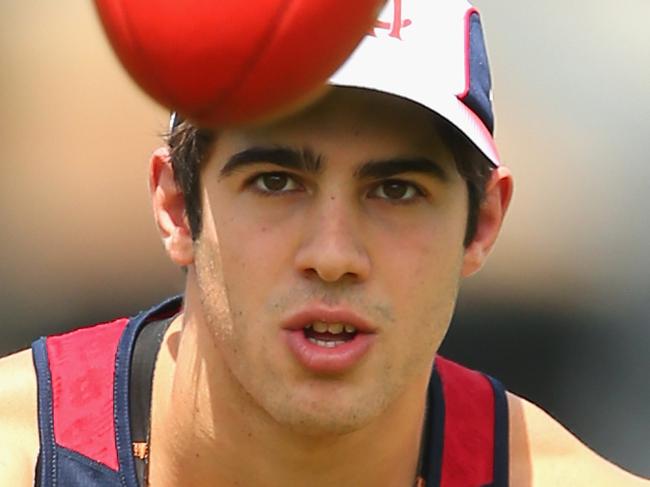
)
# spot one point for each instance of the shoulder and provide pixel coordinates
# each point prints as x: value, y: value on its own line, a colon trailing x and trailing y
x: 18, y: 419
x: 543, y: 452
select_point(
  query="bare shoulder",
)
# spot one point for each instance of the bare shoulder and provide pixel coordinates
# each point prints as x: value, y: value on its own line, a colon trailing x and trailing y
x: 18, y: 419
x: 543, y: 452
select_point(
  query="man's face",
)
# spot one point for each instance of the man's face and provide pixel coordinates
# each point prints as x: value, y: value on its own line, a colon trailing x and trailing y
x: 350, y: 213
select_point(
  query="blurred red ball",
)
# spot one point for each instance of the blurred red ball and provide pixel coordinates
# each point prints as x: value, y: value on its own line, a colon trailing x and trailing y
x: 228, y: 62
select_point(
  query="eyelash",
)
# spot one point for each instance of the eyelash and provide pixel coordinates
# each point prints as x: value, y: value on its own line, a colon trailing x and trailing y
x: 252, y: 182
x: 417, y: 191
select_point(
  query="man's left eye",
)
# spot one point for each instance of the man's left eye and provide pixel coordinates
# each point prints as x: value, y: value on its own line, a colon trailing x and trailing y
x: 396, y: 191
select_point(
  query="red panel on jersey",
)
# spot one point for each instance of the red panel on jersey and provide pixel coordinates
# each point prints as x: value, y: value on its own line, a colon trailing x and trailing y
x: 468, y: 452
x: 82, y: 365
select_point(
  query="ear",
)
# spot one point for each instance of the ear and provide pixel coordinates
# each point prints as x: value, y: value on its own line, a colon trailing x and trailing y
x: 491, y: 214
x: 169, y: 209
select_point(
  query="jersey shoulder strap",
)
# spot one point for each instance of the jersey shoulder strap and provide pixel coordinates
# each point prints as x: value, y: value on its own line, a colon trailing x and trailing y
x: 468, y: 420
x: 75, y: 375
x: 83, y: 379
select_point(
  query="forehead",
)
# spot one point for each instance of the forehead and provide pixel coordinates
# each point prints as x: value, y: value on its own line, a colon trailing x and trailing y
x: 357, y: 122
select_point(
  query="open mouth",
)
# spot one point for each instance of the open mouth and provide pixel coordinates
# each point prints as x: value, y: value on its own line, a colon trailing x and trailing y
x: 328, y: 341
x: 329, y: 335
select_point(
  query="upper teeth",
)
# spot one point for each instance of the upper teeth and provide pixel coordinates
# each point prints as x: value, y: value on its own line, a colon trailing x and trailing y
x: 333, y: 328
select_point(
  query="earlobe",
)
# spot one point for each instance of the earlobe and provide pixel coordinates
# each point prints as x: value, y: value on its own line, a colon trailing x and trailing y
x: 490, y: 218
x: 169, y: 209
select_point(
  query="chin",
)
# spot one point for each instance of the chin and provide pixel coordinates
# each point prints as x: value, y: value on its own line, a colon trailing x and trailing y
x: 330, y: 413
x: 326, y: 423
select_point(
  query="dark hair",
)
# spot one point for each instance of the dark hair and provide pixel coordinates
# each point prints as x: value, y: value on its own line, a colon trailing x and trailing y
x: 473, y: 167
x: 190, y: 146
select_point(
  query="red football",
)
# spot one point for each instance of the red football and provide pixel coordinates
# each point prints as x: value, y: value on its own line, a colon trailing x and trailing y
x: 227, y: 62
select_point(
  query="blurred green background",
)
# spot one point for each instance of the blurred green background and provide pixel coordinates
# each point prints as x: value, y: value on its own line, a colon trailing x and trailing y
x: 561, y: 311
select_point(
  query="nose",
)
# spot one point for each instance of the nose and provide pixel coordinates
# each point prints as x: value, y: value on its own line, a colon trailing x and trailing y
x: 333, y: 247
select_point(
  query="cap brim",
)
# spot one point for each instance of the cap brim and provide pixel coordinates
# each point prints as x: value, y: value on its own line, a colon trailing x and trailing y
x: 456, y: 113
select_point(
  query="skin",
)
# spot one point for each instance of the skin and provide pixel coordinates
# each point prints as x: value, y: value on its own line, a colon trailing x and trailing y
x: 231, y: 405
x: 328, y: 238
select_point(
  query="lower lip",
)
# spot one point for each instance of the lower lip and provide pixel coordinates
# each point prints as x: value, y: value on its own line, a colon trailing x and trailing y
x: 323, y: 360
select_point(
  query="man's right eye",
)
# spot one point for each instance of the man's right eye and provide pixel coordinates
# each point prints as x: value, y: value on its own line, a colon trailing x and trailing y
x: 274, y: 183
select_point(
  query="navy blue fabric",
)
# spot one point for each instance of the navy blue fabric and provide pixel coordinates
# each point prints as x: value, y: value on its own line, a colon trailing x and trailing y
x: 432, y: 442
x: 59, y: 466
x: 480, y: 82
x: 127, y: 472
x: 46, y: 474
x: 501, y: 435
x: 75, y: 470
x: 433, y: 439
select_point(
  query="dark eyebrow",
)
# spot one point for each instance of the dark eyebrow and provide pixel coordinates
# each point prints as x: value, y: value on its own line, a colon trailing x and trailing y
x: 303, y: 159
x: 392, y: 167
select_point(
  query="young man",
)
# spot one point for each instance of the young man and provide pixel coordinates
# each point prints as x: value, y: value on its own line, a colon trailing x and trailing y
x: 323, y: 253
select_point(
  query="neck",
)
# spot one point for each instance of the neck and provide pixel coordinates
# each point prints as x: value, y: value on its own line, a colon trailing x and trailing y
x: 206, y: 430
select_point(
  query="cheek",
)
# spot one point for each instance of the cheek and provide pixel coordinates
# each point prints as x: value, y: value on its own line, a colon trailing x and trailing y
x: 254, y: 255
x: 424, y: 276
x: 253, y: 232
x: 255, y: 259
x: 423, y: 258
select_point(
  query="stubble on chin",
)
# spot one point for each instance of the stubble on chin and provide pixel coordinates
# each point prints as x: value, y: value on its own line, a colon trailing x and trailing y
x: 286, y: 400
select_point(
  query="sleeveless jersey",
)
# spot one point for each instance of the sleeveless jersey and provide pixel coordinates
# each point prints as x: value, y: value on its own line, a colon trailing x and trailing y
x: 84, y: 425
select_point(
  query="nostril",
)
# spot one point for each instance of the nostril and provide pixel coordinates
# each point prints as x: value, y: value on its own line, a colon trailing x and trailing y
x: 326, y: 276
x: 333, y: 255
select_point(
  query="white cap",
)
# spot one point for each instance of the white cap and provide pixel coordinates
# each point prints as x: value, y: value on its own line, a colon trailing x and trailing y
x: 433, y: 53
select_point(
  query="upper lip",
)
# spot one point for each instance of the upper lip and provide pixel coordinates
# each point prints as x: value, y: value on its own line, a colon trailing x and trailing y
x: 304, y: 317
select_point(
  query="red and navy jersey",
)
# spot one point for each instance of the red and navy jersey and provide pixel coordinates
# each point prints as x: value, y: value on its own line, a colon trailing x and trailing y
x: 84, y: 425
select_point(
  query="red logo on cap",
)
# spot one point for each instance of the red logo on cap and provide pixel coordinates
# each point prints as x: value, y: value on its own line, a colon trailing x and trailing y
x: 395, y: 27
